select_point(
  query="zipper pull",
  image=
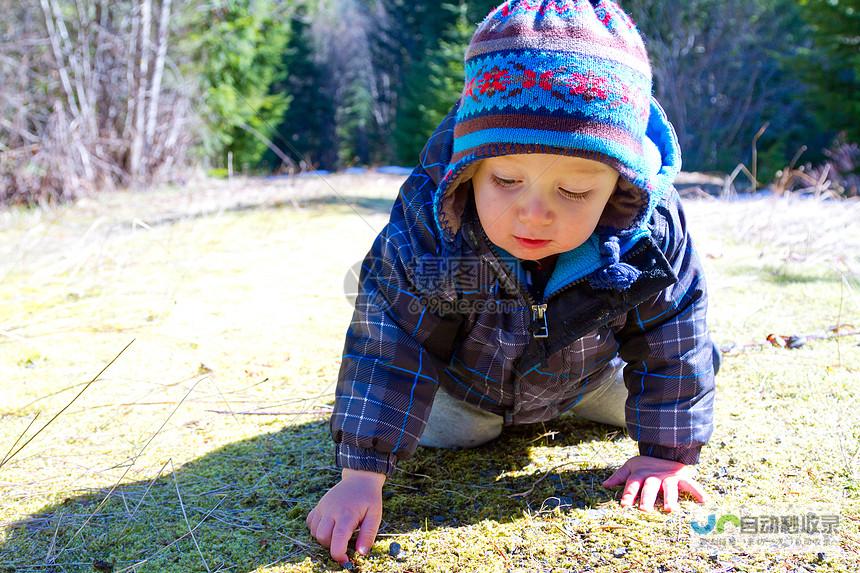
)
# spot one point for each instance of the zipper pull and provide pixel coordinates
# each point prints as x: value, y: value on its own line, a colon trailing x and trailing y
x: 539, y: 327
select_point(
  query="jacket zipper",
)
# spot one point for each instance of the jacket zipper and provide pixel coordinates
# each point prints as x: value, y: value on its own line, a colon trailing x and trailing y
x: 539, y: 326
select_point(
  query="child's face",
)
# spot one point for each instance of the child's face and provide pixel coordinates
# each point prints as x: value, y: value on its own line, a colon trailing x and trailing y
x: 555, y: 198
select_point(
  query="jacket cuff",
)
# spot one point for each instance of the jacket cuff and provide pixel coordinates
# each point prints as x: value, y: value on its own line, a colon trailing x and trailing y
x: 688, y: 455
x: 367, y: 459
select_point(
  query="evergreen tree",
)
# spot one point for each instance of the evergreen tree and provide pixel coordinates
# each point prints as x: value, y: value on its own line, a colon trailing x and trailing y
x: 410, y: 33
x: 341, y: 31
x: 434, y: 82
x: 479, y: 9
x: 831, y: 66
x: 239, y: 46
x: 355, y: 125
x: 302, y: 133
x: 432, y: 87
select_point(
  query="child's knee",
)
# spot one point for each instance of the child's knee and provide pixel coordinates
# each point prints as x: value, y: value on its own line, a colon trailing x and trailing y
x: 450, y: 440
x: 454, y: 423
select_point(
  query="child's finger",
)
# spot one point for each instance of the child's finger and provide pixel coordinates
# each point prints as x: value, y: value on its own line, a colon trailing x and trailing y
x: 340, y: 536
x: 650, y: 489
x: 670, y: 494
x: 618, y: 478
x: 312, y: 519
x: 314, y: 523
x: 369, y: 527
x: 324, y: 528
x: 630, y: 492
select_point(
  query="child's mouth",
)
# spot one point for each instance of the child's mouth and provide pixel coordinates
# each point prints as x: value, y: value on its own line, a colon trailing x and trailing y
x: 531, y: 243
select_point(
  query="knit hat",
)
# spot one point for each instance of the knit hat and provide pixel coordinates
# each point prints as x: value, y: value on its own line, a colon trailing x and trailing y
x: 568, y: 77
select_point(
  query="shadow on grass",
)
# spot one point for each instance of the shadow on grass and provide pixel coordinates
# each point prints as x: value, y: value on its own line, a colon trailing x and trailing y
x: 246, y: 503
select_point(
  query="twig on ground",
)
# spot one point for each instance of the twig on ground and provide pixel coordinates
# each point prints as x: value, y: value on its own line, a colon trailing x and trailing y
x: 131, y: 516
x: 758, y: 345
x: 550, y: 434
x: 401, y: 470
x: 503, y: 554
x: 302, y: 543
x: 839, y: 320
x: 185, y: 516
x: 543, y: 477
x: 24, y: 433
x: 308, y: 412
x: 265, y: 473
x: 66, y: 407
x: 131, y: 465
x: 8, y: 334
x: 175, y: 541
x: 557, y: 526
x: 48, y: 557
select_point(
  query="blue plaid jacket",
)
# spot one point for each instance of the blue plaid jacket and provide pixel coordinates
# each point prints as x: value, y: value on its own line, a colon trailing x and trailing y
x: 420, y: 322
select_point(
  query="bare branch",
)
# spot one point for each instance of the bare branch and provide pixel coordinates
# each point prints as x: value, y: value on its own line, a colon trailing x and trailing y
x: 137, y: 136
x: 161, y: 53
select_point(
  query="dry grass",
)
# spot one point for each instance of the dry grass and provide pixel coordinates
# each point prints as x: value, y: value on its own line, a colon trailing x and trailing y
x: 204, y: 445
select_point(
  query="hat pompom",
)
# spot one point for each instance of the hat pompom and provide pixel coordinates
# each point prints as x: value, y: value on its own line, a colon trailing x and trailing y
x: 610, y: 249
x: 616, y: 275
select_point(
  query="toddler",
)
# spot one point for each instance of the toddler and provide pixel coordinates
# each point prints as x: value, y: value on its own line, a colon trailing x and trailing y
x: 536, y: 263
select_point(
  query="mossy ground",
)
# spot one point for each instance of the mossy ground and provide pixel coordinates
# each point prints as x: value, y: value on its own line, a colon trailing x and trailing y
x: 206, y: 443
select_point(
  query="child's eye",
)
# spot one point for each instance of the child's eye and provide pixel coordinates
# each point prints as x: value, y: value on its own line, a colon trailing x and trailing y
x: 573, y: 196
x: 503, y: 182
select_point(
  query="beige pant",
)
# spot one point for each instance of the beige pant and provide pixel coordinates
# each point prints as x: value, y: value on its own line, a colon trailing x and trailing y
x: 454, y: 423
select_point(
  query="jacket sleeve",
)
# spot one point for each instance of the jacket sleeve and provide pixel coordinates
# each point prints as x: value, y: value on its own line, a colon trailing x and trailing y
x: 665, y: 342
x: 396, y: 344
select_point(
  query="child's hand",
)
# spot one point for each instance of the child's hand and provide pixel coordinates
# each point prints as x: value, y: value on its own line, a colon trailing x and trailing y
x: 651, y: 475
x: 356, y: 499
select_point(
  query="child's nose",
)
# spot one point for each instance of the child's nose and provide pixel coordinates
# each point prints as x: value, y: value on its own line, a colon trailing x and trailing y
x: 533, y: 208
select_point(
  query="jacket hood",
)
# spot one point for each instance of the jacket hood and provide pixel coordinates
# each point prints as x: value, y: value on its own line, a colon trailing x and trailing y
x: 626, y: 214
x: 624, y: 220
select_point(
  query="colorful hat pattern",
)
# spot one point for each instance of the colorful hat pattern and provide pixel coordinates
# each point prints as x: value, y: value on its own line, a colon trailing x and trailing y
x: 567, y: 77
